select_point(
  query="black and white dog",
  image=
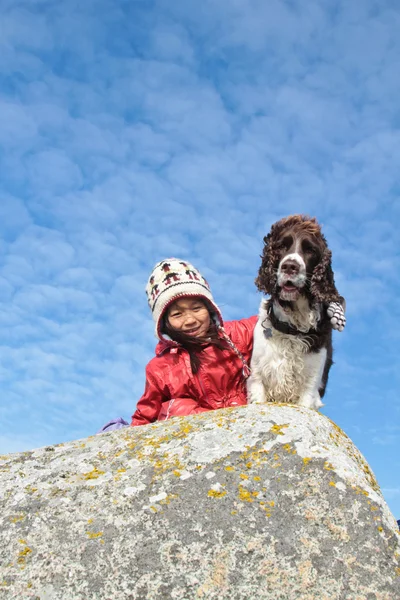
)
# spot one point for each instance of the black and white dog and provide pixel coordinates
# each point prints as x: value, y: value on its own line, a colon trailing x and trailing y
x: 292, y: 351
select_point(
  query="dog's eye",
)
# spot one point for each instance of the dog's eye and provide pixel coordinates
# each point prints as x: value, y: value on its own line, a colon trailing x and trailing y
x: 308, y: 248
x: 285, y: 243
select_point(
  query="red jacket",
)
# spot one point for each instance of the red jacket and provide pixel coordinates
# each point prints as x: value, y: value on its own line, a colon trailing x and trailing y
x: 172, y: 389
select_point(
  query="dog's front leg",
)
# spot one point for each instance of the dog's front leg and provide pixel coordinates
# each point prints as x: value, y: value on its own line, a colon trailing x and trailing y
x: 314, y: 366
x: 255, y: 389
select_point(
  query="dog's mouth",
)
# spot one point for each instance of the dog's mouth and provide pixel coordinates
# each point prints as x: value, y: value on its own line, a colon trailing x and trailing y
x: 289, y: 291
x: 290, y: 287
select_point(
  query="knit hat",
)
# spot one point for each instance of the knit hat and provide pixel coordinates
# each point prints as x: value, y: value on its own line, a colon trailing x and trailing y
x: 171, y: 279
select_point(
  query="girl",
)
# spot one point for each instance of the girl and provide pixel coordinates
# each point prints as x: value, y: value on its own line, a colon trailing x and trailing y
x: 200, y: 364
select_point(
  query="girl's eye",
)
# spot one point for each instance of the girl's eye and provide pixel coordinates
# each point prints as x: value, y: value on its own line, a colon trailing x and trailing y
x: 175, y: 315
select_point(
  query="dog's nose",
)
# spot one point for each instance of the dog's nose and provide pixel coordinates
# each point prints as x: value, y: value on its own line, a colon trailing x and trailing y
x: 290, y: 267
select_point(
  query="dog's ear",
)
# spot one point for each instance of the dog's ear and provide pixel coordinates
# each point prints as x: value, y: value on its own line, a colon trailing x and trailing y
x: 323, y: 288
x: 266, y: 279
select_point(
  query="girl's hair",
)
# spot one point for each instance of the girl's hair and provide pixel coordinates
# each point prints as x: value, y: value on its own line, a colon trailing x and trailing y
x: 194, y: 345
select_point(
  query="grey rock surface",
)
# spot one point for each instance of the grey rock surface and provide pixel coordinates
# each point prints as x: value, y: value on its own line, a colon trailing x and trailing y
x: 256, y: 502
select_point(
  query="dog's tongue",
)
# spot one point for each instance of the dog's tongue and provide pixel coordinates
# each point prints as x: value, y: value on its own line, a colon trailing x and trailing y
x: 289, y: 288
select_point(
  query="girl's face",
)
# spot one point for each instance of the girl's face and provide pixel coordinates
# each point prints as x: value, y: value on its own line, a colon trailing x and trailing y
x: 190, y: 316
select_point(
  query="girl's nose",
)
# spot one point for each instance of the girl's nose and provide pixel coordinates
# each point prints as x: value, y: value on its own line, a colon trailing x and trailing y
x: 190, y: 318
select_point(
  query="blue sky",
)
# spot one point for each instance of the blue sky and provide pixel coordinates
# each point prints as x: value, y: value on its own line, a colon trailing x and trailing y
x: 131, y: 131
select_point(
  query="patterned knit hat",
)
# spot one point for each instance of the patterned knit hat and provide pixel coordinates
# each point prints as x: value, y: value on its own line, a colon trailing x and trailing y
x: 171, y: 279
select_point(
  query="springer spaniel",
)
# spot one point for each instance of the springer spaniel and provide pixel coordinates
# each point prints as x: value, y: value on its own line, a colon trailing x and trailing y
x: 292, y: 351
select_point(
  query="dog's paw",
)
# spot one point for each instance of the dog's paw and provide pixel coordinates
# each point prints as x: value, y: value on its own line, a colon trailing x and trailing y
x: 311, y: 401
x: 335, y: 312
x: 256, y: 399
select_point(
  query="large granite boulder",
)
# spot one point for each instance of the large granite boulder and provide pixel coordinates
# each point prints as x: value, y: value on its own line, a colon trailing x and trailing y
x: 255, y: 502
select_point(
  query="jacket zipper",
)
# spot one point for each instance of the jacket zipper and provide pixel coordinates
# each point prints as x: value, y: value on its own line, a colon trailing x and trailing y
x: 199, y: 379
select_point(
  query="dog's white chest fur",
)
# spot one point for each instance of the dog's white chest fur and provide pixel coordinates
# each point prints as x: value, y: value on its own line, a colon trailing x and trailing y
x: 283, y: 368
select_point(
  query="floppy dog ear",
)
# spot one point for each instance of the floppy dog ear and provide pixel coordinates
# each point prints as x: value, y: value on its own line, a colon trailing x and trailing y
x: 266, y: 279
x: 322, y: 287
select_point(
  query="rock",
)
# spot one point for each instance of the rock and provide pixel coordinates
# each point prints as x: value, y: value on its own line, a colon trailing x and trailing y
x: 256, y: 502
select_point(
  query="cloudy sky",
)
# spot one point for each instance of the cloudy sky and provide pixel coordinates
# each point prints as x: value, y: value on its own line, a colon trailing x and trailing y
x: 135, y: 130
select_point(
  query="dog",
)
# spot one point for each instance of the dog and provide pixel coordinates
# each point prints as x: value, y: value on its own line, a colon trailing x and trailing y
x: 292, y: 352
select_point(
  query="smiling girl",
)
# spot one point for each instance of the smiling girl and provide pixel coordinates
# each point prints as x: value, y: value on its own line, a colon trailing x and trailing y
x: 200, y: 363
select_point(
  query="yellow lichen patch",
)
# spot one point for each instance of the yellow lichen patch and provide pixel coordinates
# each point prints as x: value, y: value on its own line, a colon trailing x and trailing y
x: 287, y: 447
x: 162, y: 463
x: 94, y: 474
x: 184, y: 429
x: 92, y: 535
x: 122, y: 470
x: 359, y: 490
x: 328, y: 466
x: 257, y: 478
x: 370, y: 476
x: 30, y: 490
x: 229, y: 468
x: 373, y: 508
x: 22, y: 554
x: 266, y: 507
x: 90, y: 521
x: 168, y: 499
x: 216, y: 494
x: 177, y: 473
x: 341, y: 439
x: 25, y: 551
x: 257, y: 456
x: 332, y: 483
x: 278, y: 428
x: 17, y: 518
x: 243, y: 476
x: 233, y: 512
x: 397, y: 571
x: 244, y: 494
x: 380, y: 528
x: 306, y: 460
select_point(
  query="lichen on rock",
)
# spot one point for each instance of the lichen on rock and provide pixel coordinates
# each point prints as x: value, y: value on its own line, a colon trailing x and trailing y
x: 258, y: 502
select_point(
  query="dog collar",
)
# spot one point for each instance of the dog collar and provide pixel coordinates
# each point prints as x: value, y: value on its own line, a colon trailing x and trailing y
x: 284, y: 327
